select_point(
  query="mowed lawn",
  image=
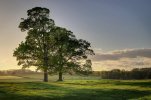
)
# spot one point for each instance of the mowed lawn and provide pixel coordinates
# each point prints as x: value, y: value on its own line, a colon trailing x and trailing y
x: 31, y: 87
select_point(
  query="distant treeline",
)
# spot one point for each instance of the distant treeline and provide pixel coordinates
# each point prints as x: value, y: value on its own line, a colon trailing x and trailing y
x: 17, y: 71
x: 136, y: 73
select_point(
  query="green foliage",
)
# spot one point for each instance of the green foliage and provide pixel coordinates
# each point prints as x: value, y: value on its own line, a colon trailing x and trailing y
x: 38, y: 40
x: 36, y: 49
x: 38, y: 18
x: 51, y: 48
x: 70, y: 53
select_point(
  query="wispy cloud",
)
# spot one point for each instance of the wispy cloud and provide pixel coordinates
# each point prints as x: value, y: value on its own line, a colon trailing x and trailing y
x: 122, y: 59
x: 118, y: 54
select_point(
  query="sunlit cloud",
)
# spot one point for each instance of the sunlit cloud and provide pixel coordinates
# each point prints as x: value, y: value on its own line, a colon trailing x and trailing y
x: 118, y: 54
x: 122, y: 59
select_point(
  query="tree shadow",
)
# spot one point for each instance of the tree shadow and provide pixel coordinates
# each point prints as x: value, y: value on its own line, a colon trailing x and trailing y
x: 135, y: 83
x: 19, y: 91
x: 111, y: 94
x: 11, y: 91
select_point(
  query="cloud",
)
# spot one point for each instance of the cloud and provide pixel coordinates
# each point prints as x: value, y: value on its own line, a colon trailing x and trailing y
x: 119, y: 54
x: 123, y: 63
x: 121, y: 59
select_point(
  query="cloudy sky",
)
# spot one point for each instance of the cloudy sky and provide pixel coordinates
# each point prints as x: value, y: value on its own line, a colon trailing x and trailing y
x: 119, y: 30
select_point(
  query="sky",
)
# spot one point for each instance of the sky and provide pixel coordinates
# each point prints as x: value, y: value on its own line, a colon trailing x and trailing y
x: 118, y: 30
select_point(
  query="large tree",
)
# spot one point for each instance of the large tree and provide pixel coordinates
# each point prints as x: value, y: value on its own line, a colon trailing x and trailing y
x: 71, y: 54
x: 38, y: 45
x: 51, y: 48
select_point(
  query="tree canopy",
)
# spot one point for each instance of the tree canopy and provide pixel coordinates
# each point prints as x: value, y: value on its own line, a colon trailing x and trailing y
x: 38, y: 43
x: 51, y: 48
x: 71, y: 53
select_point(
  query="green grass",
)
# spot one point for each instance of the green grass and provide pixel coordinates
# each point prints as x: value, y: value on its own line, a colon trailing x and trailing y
x: 30, y: 87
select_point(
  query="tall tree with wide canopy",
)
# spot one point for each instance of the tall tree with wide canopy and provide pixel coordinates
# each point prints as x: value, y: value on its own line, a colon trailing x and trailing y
x: 71, y: 54
x: 51, y: 48
x: 38, y: 45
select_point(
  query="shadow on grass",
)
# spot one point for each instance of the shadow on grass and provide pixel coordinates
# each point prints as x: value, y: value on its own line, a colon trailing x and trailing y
x: 111, y: 94
x: 45, y: 91
x: 146, y: 84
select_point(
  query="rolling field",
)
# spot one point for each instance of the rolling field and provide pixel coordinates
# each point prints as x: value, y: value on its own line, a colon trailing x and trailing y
x: 31, y: 87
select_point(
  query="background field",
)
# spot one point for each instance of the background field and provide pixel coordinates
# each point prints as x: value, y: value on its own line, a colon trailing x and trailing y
x: 31, y: 87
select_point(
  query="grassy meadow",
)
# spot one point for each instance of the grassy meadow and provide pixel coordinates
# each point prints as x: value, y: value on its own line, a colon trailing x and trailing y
x: 31, y: 87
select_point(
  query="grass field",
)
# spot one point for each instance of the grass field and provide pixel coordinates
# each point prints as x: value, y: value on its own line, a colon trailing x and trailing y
x: 31, y: 87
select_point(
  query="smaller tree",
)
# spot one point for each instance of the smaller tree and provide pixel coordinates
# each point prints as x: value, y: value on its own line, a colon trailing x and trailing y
x: 71, y: 54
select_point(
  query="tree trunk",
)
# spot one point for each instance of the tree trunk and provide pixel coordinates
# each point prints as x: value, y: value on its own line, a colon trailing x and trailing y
x: 60, y: 76
x: 45, y: 63
x: 45, y: 76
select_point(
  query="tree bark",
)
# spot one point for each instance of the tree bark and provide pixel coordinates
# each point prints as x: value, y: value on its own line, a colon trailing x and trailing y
x: 45, y: 76
x: 60, y: 76
x: 45, y: 60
